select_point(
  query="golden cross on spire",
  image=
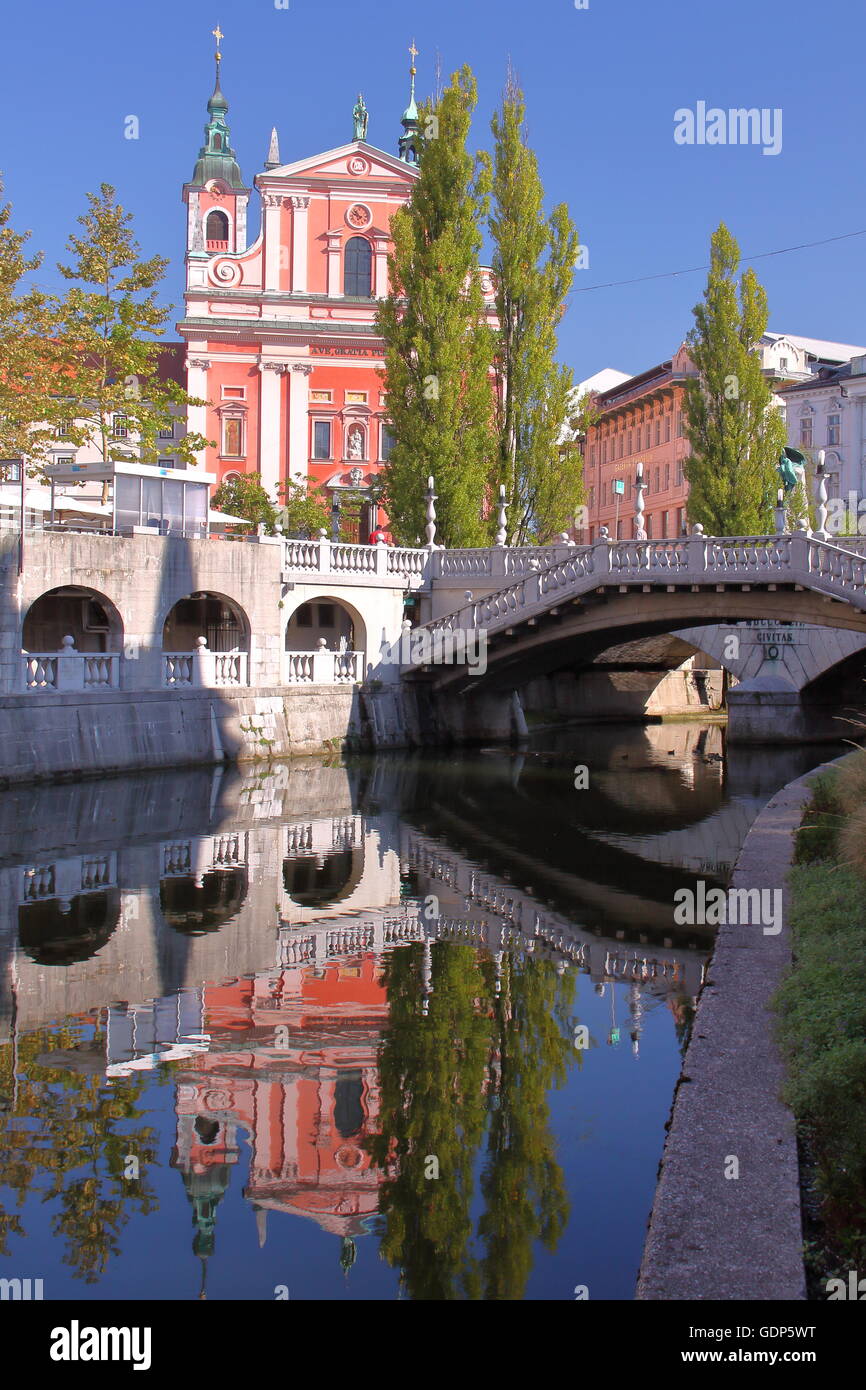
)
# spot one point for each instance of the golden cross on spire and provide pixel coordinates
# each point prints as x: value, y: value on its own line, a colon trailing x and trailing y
x: 414, y: 52
x: 219, y: 36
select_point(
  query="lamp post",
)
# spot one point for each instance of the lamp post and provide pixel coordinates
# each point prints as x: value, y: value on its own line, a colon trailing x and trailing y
x: 821, y: 498
x: 335, y: 518
x: 640, y: 488
x: 779, y: 513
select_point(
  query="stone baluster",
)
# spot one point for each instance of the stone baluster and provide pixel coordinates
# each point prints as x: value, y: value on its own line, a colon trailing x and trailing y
x: 502, y: 520
x: 431, y: 515
x: 821, y: 499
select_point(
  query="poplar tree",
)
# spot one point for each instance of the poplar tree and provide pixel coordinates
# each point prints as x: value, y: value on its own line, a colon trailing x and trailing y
x: 735, y: 433
x: 111, y: 325
x: 533, y: 263
x: 438, y: 348
x: 28, y: 411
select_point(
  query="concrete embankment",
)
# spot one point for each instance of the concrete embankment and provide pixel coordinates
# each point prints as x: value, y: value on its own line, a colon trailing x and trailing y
x: 49, y: 736
x: 713, y: 1235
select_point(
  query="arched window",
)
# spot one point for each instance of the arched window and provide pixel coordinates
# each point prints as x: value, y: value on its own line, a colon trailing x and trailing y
x: 217, y: 227
x: 359, y: 268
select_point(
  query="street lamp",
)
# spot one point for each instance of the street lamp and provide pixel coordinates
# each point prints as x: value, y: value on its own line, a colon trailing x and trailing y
x: 640, y: 488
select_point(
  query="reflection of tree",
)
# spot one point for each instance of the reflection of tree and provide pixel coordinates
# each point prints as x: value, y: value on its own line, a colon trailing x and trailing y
x: 440, y: 1075
x: 522, y: 1182
x: 432, y: 1075
x: 61, y: 1136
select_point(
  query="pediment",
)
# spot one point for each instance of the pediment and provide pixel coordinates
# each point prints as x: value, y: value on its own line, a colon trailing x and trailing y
x: 378, y: 164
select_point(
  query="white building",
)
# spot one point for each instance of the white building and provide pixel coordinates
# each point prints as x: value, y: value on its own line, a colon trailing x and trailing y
x: 828, y: 411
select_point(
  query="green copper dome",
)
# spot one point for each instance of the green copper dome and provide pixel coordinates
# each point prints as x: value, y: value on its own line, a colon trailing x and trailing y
x: 216, y: 158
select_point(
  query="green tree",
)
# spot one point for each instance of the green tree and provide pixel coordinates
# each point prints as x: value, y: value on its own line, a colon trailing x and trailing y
x: 533, y: 262
x: 735, y: 433
x: 438, y: 348
x: 28, y: 410
x: 304, y: 510
x: 109, y: 344
x: 245, y: 496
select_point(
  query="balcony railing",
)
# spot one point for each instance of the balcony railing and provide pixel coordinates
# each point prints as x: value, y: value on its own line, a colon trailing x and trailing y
x: 323, y: 668
x: 71, y: 670
x: 204, y: 669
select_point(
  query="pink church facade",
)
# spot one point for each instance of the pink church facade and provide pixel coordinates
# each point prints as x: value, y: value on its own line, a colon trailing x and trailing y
x: 280, y: 335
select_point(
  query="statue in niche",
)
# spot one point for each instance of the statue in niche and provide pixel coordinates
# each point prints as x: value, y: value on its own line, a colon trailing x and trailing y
x: 360, y: 116
x: 356, y: 443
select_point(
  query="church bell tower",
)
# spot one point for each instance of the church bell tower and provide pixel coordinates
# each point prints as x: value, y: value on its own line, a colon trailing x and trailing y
x: 216, y: 196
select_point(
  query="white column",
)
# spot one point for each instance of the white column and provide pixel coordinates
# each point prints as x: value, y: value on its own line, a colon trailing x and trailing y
x: 334, y: 286
x: 270, y: 432
x: 272, y: 204
x: 299, y: 417
x: 300, y: 205
x: 196, y: 385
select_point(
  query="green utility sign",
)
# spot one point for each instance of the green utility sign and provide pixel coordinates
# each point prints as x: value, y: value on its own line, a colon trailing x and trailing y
x: 619, y: 485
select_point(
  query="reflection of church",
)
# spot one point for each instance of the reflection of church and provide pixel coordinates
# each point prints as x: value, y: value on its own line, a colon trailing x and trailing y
x: 292, y: 1062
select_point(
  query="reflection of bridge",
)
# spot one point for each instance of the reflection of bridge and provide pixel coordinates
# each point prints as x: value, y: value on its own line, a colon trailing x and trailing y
x: 144, y: 908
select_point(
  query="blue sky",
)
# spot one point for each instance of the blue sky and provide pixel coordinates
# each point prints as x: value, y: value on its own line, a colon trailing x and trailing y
x: 602, y: 85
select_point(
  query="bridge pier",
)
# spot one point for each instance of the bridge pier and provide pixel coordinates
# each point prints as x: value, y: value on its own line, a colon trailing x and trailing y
x: 767, y: 709
x: 488, y: 717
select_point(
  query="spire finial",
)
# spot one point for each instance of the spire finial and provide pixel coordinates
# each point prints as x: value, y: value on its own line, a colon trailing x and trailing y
x: 413, y: 70
x: 219, y: 36
x: 409, y: 140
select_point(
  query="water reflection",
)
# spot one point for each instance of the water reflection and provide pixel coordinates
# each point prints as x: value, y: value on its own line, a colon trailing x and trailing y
x: 350, y: 998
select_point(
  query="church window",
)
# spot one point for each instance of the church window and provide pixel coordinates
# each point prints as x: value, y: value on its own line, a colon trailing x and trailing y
x: 359, y: 268
x: 388, y: 440
x: 217, y: 141
x: 234, y: 393
x: 321, y: 439
x: 217, y: 227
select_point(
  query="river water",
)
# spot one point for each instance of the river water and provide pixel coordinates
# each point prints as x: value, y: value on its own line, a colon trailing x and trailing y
x: 408, y: 1027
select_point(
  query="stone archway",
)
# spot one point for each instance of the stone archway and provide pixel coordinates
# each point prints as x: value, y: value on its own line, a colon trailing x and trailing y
x: 220, y: 620
x: 72, y: 610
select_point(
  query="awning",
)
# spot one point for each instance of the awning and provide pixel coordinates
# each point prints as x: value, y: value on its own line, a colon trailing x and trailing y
x: 227, y: 519
x: 39, y: 500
